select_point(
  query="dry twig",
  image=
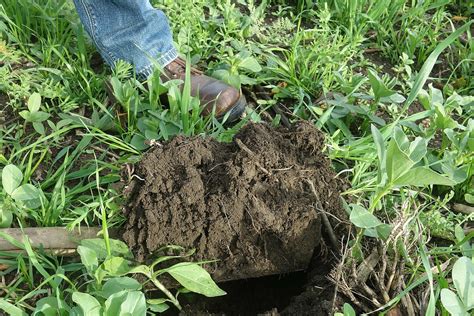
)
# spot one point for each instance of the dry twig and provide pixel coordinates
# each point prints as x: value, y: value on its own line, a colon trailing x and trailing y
x: 327, y: 224
x: 251, y: 155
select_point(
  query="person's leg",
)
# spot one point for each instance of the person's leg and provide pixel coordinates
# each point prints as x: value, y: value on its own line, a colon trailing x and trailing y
x: 133, y: 31
x: 129, y: 30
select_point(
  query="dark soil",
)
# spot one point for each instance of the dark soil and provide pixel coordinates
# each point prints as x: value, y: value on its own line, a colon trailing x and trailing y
x: 298, y: 293
x: 378, y: 59
x: 5, y: 114
x: 246, y: 203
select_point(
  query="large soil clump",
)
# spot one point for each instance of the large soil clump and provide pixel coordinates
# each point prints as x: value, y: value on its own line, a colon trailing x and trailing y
x: 247, y: 203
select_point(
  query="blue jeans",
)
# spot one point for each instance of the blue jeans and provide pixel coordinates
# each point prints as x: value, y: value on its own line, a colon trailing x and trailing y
x: 129, y: 30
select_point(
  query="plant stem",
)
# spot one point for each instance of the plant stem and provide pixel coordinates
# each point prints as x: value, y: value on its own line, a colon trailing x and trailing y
x: 163, y: 289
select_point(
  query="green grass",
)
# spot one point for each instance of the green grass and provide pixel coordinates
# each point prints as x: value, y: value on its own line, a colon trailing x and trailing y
x: 402, y: 135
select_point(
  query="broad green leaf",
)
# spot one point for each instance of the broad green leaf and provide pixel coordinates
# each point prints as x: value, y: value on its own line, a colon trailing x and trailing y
x: 38, y: 116
x: 463, y: 279
x: 246, y: 80
x: 398, y: 162
x: 418, y: 149
x: 458, y: 175
x: 424, y: 99
x: 371, y: 232
x: 250, y: 64
x: 6, y: 217
x: 394, y: 98
x: 34, y: 102
x: 138, y: 141
x: 134, y: 304
x: 118, y: 247
x: 193, y: 277
x: 158, y: 308
x: 423, y: 176
x: 234, y: 81
x: 39, y: 128
x: 75, y: 311
x: 348, y: 310
x: 381, y: 231
x: 116, y: 266
x: 113, y: 303
x: 11, y: 309
x: 88, y: 257
x: 436, y: 95
x: 35, y: 116
x: 26, y: 192
x: 151, y: 134
x: 116, y: 285
x: 29, y: 195
x: 443, y: 120
x: 465, y: 245
x: 361, y: 218
x: 50, y: 306
x: 378, y: 86
x: 384, y: 231
x: 469, y: 198
x: 222, y: 74
x: 401, y: 138
x: 63, y: 123
x: 11, y: 178
x: 452, y: 303
x: 25, y: 115
x: 226, y: 76
x: 89, y: 305
x: 100, y: 274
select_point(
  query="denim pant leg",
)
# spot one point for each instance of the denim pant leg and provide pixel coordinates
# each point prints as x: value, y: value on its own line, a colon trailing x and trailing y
x: 129, y: 30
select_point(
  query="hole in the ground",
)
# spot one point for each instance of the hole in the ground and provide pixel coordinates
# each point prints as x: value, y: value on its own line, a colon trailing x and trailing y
x: 298, y: 293
x: 249, y: 297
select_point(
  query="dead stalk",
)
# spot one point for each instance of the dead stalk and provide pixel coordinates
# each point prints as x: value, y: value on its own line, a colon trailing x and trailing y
x: 326, y: 223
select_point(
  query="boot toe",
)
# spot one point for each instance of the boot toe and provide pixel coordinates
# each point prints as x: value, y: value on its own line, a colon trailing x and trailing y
x: 236, y: 111
x: 221, y: 98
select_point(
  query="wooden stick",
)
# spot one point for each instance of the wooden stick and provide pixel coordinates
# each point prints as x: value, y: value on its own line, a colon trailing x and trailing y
x: 50, y: 238
x: 461, y: 208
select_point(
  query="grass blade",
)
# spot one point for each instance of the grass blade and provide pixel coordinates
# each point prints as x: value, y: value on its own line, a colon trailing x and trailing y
x: 425, y: 71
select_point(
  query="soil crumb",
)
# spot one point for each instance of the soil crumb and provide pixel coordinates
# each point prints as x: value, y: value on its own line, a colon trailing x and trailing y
x: 247, y: 203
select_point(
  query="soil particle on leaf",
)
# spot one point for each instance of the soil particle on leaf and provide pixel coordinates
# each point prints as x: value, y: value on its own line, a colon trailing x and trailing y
x: 246, y: 203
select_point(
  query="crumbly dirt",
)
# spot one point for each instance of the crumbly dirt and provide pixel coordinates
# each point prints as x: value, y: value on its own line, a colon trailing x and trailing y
x: 245, y: 203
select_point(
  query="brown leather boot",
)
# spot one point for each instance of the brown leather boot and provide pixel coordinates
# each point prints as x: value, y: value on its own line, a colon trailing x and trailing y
x: 214, y: 94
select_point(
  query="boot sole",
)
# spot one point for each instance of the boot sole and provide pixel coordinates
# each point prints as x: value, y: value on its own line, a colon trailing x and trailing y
x: 236, y: 111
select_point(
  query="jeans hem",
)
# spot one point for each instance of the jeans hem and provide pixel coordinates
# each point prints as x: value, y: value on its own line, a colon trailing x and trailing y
x: 109, y: 57
x: 161, y: 61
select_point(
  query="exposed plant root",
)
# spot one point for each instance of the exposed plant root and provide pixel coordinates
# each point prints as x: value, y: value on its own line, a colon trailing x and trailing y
x: 326, y: 223
x: 375, y: 281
